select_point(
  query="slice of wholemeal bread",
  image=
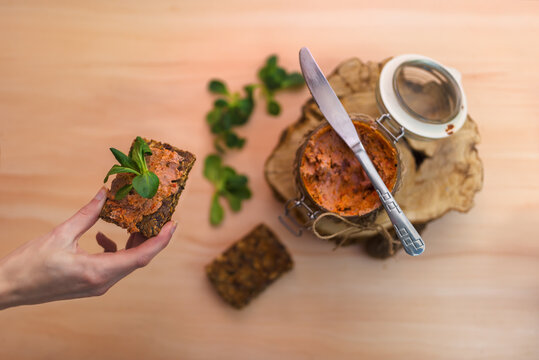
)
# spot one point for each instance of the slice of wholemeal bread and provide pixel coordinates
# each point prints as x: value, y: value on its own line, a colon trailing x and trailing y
x: 248, y: 266
x: 147, y: 216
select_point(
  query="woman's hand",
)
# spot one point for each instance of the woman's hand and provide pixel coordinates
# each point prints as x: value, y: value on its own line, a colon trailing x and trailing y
x: 54, y: 267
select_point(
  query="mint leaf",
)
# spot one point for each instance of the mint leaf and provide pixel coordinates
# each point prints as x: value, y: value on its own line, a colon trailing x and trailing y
x: 146, y: 184
x: 141, y: 146
x: 219, y: 103
x: 117, y: 169
x: 234, y: 202
x: 145, y: 148
x: 236, y: 185
x: 235, y: 181
x: 273, y: 107
x: 272, y: 75
x: 271, y: 61
x: 227, y: 173
x: 217, y: 212
x: 123, y: 191
x: 124, y: 160
x: 212, y: 168
x: 234, y: 141
x: 228, y: 184
x: 294, y: 79
x: 245, y: 107
x: 214, y: 120
x: 140, y: 149
x: 243, y: 193
x: 217, y: 87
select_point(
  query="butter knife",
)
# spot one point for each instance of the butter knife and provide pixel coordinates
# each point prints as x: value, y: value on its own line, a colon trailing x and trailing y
x: 338, y: 118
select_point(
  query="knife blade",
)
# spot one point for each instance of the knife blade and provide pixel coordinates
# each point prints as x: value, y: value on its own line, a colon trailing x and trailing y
x: 327, y: 100
x: 338, y: 118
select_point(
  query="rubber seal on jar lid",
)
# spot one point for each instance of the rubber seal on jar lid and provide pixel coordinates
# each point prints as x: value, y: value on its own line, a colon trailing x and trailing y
x: 426, y: 98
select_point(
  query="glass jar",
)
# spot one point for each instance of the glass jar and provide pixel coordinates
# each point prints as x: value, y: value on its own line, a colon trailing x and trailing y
x: 304, y: 211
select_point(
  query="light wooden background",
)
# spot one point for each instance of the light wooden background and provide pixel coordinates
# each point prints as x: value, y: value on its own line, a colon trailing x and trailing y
x: 77, y: 77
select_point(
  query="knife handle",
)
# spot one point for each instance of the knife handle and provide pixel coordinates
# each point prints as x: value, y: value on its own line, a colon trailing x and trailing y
x: 407, y: 234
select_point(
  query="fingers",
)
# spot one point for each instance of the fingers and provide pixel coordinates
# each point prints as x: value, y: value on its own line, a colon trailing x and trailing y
x: 135, y: 240
x: 105, y: 242
x: 124, y: 262
x: 129, y: 243
x: 86, y: 217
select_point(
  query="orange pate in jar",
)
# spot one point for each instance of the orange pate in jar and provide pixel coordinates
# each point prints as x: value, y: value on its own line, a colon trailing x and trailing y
x: 335, y: 179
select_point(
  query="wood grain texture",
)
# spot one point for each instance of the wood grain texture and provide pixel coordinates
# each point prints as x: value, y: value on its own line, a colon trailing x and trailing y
x: 81, y: 76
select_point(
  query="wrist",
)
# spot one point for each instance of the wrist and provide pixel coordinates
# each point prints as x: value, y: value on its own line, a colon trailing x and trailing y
x: 7, y: 290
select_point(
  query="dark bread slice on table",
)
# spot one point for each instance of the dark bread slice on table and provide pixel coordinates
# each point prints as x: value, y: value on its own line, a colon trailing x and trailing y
x: 151, y: 224
x: 249, y: 266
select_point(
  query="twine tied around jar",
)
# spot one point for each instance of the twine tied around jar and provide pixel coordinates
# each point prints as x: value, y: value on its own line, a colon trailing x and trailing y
x: 353, y: 229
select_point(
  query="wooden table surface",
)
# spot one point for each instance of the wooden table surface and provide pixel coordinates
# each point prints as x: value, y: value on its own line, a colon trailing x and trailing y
x: 80, y: 76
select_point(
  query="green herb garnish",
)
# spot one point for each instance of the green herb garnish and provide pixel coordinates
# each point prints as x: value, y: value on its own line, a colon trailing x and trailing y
x: 276, y: 78
x: 231, y: 110
x: 145, y: 182
x: 228, y: 184
x: 228, y: 112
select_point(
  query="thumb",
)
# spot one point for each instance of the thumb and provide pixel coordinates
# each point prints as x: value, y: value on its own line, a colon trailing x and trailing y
x: 86, y: 217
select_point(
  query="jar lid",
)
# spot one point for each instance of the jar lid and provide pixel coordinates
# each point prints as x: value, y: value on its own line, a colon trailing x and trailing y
x: 426, y: 98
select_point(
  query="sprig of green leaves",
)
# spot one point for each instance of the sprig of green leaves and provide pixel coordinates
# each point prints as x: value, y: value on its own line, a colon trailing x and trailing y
x: 274, y: 78
x: 145, y: 182
x: 231, y: 110
x: 228, y: 184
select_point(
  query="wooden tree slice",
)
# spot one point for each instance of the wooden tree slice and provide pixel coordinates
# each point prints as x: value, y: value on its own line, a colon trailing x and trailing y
x: 438, y: 176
